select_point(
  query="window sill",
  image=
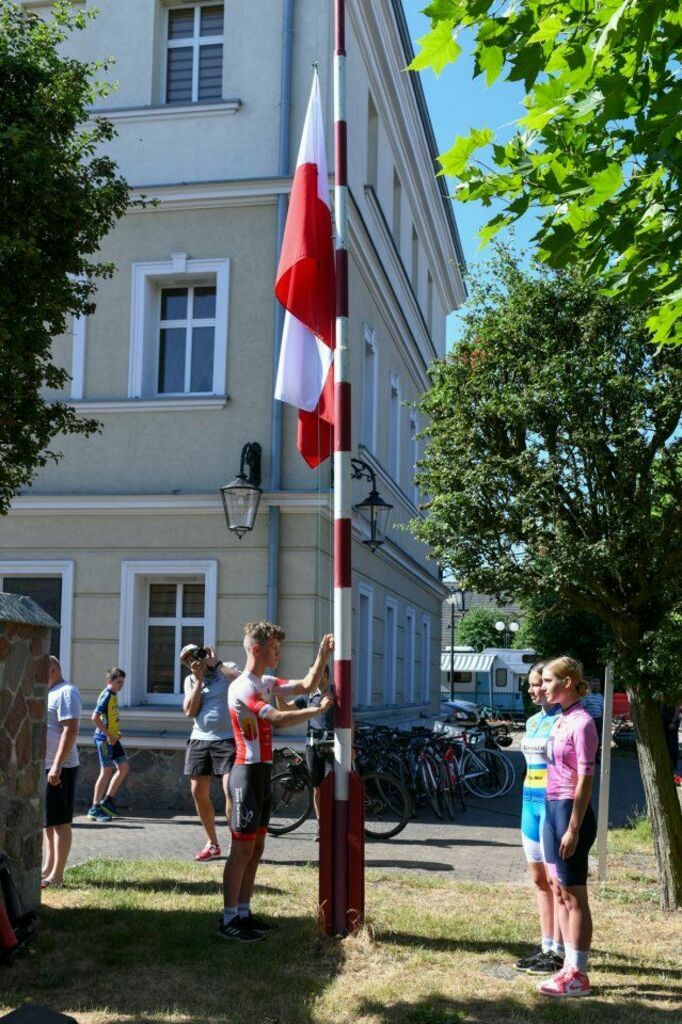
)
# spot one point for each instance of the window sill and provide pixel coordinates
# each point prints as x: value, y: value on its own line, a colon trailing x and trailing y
x: 105, y: 405
x: 169, y: 111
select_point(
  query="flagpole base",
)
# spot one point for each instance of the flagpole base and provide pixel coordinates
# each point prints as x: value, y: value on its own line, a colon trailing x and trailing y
x: 342, y: 857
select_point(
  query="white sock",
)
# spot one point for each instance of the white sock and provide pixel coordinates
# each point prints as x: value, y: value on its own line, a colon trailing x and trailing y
x: 581, y: 956
x: 570, y: 961
x: 547, y: 944
x: 558, y: 948
x: 228, y: 914
x: 244, y: 909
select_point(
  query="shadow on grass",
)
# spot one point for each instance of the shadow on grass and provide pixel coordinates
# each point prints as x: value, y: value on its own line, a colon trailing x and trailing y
x: 508, y: 1008
x: 140, y: 963
x: 442, y: 944
x: 209, y: 887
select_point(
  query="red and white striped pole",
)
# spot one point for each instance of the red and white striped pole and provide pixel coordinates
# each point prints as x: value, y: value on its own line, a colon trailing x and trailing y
x: 342, y: 862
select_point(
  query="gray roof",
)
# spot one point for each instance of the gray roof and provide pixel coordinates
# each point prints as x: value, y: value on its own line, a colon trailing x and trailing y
x: 24, y: 609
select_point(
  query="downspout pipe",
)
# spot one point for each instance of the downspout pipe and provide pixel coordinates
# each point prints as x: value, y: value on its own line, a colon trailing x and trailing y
x: 284, y: 161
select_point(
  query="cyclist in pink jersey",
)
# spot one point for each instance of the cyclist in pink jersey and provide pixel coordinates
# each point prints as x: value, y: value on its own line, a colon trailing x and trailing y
x: 250, y: 701
x: 570, y: 826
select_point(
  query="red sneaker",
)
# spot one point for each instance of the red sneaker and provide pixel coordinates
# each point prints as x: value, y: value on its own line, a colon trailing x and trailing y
x: 210, y: 852
x: 567, y: 984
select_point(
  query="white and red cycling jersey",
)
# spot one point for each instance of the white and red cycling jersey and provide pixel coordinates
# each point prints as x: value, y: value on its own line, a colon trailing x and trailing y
x: 250, y: 697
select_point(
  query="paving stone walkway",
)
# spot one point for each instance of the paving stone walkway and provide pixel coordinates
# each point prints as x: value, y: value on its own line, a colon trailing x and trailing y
x: 481, y: 845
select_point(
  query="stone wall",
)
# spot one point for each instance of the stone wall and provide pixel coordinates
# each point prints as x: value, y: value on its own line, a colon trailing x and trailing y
x: 156, y: 784
x: 24, y: 645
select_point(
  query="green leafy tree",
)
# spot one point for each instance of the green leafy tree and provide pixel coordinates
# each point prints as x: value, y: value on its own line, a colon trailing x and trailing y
x: 554, y: 461
x: 477, y: 628
x: 60, y: 196
x: 550, y: 629
x: 598, y: 153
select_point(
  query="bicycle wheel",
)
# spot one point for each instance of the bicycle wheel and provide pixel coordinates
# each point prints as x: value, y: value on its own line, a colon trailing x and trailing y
x: 447, y: 785
x: 427, y: 773
x: 489, y: 773
x: 292, y: 798
x: 387, y: 805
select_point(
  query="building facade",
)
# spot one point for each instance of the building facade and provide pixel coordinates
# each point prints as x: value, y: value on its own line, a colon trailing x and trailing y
x: 124, y: 541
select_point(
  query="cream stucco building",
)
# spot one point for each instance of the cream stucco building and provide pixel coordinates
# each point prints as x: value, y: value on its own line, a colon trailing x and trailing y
x: 124, y: 541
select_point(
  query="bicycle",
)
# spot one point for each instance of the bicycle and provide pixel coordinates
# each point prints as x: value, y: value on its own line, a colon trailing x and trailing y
x: 387, y: 802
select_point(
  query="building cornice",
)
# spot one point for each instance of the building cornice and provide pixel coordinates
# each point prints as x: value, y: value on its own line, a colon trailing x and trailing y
x: 209, y: 194
x: 156, y: 504
x: 102, y: 406
x: 168, y: 112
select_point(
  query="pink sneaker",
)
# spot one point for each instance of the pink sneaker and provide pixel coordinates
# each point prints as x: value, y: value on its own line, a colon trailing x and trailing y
x: 567, y: 984
x: 209, y: 852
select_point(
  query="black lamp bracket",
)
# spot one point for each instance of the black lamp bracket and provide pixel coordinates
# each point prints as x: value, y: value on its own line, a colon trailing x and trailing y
x: 251, y: 456
x: 361, y: 471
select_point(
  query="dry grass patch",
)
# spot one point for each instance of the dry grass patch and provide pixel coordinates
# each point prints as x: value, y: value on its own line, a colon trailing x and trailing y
x: 135, y: 943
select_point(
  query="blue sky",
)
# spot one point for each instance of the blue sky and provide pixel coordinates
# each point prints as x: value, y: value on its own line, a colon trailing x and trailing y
x: 458, y: 102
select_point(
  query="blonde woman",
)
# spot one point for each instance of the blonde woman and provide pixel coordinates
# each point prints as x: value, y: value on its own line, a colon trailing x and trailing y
x: 549, y: 958
x: 570, y: 826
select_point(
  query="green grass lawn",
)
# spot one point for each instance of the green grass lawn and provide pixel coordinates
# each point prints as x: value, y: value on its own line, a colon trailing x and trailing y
x: 136, y: 942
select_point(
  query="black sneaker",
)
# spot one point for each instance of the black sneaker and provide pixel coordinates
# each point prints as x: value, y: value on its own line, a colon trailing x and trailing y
x: 545, y: 963
x: 525, y: 962
x: 239, y: 930
x: 260, y: 925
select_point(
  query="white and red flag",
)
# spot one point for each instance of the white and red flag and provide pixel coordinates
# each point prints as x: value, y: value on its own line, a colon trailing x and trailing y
x: 305, y: 286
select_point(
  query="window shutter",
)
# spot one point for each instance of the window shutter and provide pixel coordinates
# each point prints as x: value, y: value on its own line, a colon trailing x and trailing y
x: 179, y: 75
x: 211, y: 72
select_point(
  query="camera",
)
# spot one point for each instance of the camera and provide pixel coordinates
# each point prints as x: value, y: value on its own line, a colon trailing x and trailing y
x: 199, y: 654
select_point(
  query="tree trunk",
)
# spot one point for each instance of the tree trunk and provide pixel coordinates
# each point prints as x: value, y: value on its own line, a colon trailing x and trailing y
x: 662, y: 804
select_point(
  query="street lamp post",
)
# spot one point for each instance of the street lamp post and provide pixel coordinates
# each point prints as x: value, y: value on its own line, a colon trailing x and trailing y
x: 508, y: 629
x: 457, y: 601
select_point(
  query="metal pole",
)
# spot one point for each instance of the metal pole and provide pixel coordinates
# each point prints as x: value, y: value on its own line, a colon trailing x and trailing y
x: 452, y: 649
x: 342, y: 497
x: 605, y: 775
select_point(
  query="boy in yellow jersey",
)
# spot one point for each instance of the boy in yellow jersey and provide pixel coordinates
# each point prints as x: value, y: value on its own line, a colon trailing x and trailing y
x: 109, y: 749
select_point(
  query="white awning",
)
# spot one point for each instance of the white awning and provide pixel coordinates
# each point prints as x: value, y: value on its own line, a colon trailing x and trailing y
x: 467, y: 662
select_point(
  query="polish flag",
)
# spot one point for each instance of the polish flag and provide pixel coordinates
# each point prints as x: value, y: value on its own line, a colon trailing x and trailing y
x: 305, y: 286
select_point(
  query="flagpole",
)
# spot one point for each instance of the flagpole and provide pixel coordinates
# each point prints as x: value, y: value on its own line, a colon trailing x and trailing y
x: 342, y: 918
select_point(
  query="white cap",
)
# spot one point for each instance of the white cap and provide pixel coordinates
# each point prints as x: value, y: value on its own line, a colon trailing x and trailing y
x: 186, y: 650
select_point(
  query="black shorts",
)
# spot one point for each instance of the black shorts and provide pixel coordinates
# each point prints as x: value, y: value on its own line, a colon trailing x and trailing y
x: 209, y: 757
x: 573, y: 870
x: 59, y: 799
x: 251, y: 791
x: 317, y: 766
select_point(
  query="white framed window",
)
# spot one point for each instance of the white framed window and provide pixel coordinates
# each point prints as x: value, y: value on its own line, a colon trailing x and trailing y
x: 50, y: 584
x: 426, y: 660
x: 395, y: 410
x: 410, y: 650
x: 500, y: 677
x: 372, y: 144
x: 365, y: 639
x: 397, y: 208
x: 194, y: 53
x: 414, y: 455
x: 179, y: 328
x: 164, y: 605
x: 414, y: 261
x: 390, y: 650
x: 369, y: 389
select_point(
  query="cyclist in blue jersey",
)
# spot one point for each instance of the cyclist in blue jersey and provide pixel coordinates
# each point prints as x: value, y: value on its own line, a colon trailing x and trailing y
x: 549, y: 957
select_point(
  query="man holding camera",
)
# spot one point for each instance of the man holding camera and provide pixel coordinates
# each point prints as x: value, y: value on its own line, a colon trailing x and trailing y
x: 210, y: 748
